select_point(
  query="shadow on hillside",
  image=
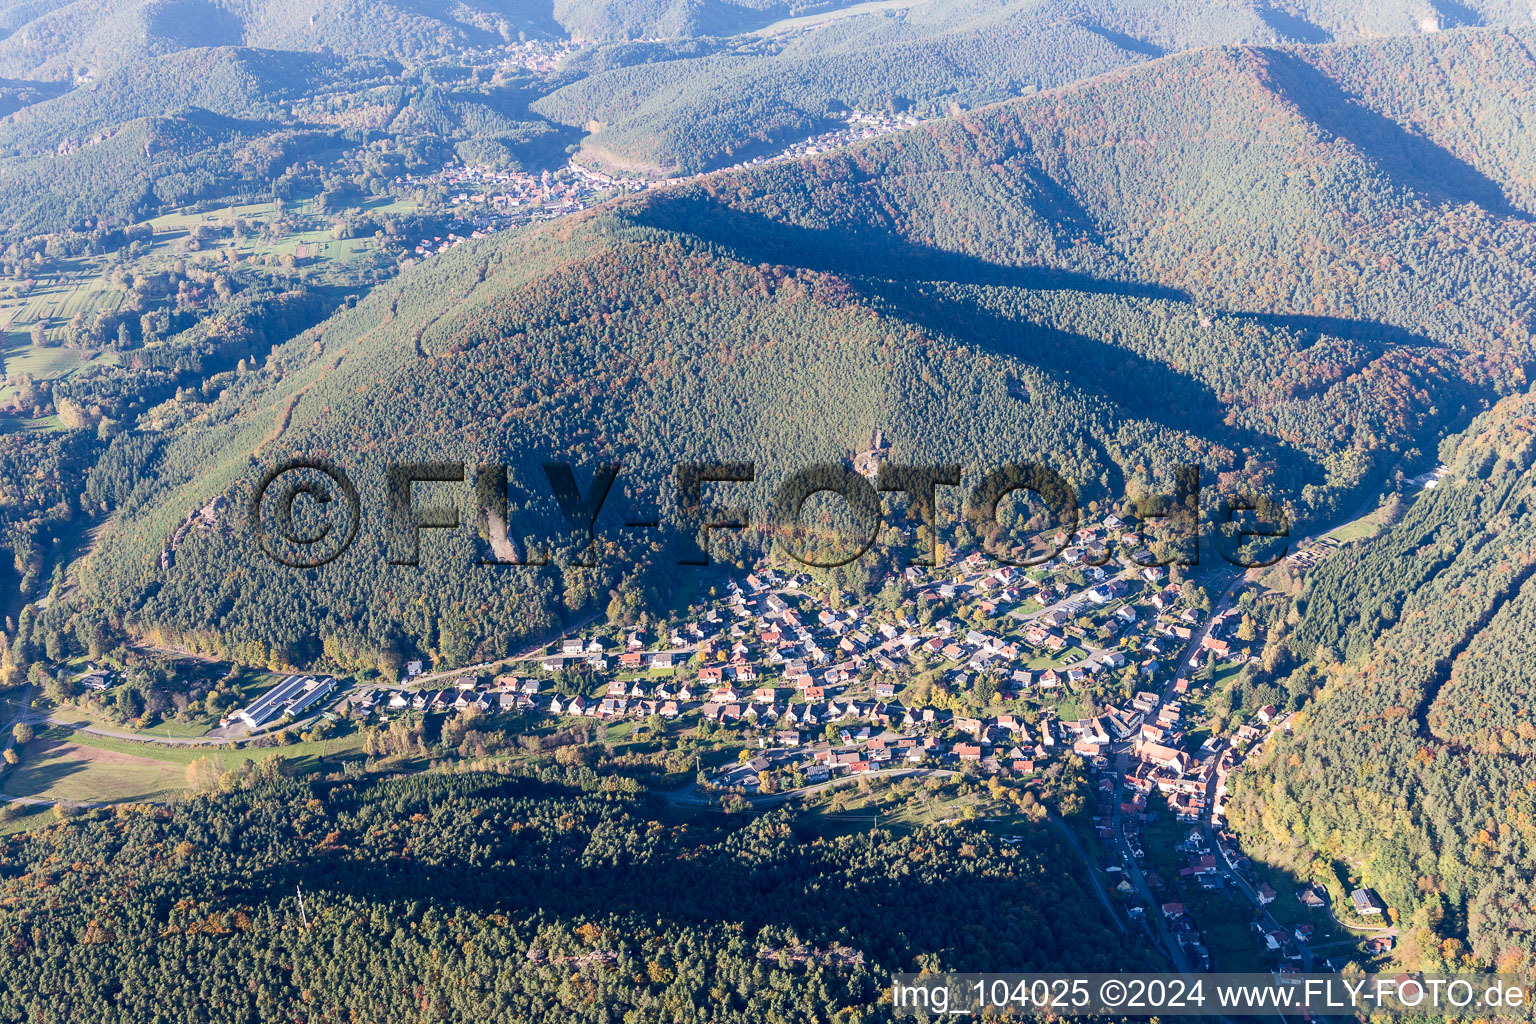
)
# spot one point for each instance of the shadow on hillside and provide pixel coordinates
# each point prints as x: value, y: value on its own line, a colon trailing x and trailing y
x: 192, y: 23
x: 1143, y: 387
x: 1456, y: 15
x: 1125, y: 42
x: 760, y: 881
x: 1410, y: 160
x: 862, y: 251
x: 41, y: 769
x: 1376, y: 332
x: 1291, y: 27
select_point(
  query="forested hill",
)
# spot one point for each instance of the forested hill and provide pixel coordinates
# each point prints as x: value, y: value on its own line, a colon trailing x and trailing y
x: 1084, y: 277
x: 61, y: 38
x: 564, y: 895
x: 1280, y: 182
x: 222, y: 121
x: 658, y: 88
x: 1413, y: 764
x: 258, y: 85
x: 669, y: 106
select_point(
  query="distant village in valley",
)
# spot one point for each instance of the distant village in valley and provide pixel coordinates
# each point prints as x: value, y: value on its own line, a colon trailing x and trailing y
x: 488, y: 199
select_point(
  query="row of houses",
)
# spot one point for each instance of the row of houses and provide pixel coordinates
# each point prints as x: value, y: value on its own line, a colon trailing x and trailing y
x: 510, y: 695
x: 770, y: 654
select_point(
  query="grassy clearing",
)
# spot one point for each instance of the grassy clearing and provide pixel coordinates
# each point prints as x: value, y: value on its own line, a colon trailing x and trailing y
x: 393, y: 206
x: 54, y: 768
x: 1363, y: 528
x: 804, y: 22
x: 304, y: 756
x: 75, y: 766
x: 181, y: 220
x: 1067, y: 656
x: 27, y: 821
x: 1068, y: 708
x: 909, y: 803
x: 1227, y: 674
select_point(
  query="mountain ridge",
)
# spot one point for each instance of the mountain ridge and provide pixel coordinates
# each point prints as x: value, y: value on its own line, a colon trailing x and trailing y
x: 646, y: 320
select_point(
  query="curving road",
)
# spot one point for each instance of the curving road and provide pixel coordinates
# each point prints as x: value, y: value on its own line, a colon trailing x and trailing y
x: 1093, y: 872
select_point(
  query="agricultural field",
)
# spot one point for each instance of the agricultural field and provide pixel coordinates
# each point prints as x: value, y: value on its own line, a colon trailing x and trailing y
x: 286, y: 243
x: 312, y: 241
x: 41, y: 364
x: 52, y: 299
x: 72, y: 286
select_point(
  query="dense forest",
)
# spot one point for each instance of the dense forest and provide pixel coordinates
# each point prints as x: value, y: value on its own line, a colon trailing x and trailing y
x: 499, y: 897
x: 1412, y: 764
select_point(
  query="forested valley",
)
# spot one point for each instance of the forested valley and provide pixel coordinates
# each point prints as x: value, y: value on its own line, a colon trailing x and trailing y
x: 1412, y: 764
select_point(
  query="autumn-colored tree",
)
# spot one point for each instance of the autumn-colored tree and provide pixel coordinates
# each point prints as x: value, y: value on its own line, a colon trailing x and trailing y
x: 203, y: 775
